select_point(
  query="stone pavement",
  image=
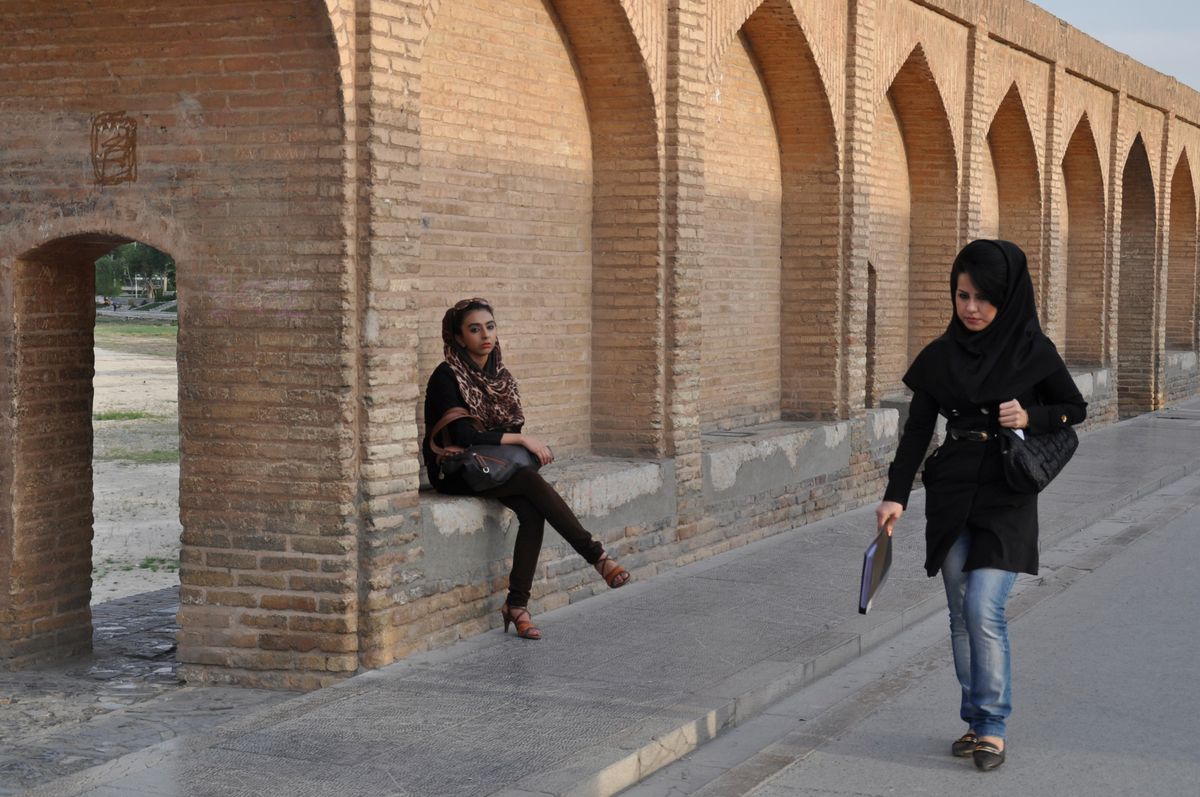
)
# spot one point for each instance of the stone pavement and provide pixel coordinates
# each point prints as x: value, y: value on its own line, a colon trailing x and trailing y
x: 623, y: 684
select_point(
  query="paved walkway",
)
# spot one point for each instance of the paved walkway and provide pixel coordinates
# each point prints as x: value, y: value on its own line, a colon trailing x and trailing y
x: 624, y: 683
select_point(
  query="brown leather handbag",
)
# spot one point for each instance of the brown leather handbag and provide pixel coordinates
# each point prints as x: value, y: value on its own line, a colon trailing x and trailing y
x: 483, y: 466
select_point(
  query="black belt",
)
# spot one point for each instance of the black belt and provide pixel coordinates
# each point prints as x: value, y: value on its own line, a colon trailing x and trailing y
x: 973, y: 435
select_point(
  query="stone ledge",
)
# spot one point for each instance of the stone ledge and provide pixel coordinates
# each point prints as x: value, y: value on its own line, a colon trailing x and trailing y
x: 461, y: 534
x: 775, y: 455
x: 1180, y: 361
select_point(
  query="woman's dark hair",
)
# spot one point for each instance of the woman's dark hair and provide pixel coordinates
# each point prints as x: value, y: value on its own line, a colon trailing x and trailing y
x: 985, y: 264
x: 452, y: 320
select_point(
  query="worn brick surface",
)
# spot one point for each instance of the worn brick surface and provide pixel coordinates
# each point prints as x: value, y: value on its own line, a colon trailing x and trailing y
x: 691, y: 214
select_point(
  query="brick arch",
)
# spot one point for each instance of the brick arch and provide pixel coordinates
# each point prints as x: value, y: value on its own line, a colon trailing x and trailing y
x: 46, y: 415
x: 810, y: 176
x: 797, y: 310
x: 914, y: 227
x: 1084, y: 234
x: 1181, y: 260
x: 240, y: 176
x: 1137, y: 355
x: 613, y: 334
x: 1018, y: 186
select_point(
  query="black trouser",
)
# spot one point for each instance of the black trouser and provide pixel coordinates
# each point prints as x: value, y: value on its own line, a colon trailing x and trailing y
x: 535, y: 502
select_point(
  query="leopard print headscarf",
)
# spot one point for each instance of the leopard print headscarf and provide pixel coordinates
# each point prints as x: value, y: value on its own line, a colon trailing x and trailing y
x: 490, y: 393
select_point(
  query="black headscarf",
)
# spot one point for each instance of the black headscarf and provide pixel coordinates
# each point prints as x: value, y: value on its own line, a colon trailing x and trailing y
x: 1001, y: 361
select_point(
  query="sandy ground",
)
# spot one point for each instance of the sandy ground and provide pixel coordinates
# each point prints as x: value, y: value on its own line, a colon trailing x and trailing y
x: 136, y: 493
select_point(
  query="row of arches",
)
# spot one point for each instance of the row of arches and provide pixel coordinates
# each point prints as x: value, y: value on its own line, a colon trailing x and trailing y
x: 537, y: 177
x: 769, y: 271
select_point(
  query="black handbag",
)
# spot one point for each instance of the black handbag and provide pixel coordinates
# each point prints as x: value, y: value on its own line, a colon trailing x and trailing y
x: 1032, y: 463
x: 484, y: 466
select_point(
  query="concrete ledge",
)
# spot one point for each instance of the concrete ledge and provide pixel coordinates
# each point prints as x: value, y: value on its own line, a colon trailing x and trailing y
x: 772, y: 457
x: 463, y: 536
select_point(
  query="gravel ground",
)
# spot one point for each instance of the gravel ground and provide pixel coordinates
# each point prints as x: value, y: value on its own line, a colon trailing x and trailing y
x: 135, y: 471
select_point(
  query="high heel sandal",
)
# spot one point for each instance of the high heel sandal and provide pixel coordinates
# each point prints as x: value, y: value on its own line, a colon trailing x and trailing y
x: 613, y: 574
x: 520, y: 616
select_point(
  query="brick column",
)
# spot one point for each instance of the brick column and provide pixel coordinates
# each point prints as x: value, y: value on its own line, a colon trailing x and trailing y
x: 976, y: 121
x: 1116, y: 162
x: 1162, y: 248
x: 46, y: 475
x: 856, y: 201
x: 1054, y: 266
x: 389, y: 46
x: 687, y: 62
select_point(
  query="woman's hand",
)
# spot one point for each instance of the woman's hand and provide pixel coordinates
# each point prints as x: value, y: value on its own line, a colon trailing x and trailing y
x: 1013, y: 416
x: 539, y: 449
x: 886, y: 515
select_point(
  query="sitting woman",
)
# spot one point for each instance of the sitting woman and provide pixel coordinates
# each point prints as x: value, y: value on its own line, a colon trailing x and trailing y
x: 473, y: 377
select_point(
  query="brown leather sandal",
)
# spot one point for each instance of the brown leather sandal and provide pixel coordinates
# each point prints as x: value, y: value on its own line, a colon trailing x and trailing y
x: 613, y: 574
x: 520, y: 616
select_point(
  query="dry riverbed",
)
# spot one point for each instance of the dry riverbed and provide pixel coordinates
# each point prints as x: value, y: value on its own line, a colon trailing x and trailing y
x: 136, y: 462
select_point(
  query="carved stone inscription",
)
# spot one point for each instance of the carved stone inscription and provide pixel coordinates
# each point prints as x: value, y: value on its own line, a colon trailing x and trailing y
x: 114, y: 148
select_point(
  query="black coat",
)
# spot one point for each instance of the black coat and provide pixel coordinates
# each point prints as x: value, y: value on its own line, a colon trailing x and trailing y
x: 964, y: 481
x: 441, y: 394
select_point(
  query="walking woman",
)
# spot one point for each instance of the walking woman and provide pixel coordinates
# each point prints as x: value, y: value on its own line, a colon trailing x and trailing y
x: 992, y: 368
x: 473, y: 377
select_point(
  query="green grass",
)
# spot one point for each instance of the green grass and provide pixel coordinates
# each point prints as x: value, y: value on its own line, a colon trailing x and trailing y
x: 156, y: 563
x: 107, y: 326
x: 143, y: 457
x: 120, y: 415
x: 156, y: 340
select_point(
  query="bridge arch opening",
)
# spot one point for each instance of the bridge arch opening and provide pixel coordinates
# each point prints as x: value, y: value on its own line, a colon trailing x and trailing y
x: 1137, y: 358
x: 1083, y: 220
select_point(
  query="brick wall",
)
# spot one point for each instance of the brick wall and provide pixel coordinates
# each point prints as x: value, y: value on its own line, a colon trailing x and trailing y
x: 1018, y: 188
x: 506, y: 207
x: 891, y: 228
x: 1082, y: 210
x: 1135, y: 333
x: 1181, y: 261
x: 329, y: 175
x: 740, y: 346
x: 239, y: 177
x: 51, y: 452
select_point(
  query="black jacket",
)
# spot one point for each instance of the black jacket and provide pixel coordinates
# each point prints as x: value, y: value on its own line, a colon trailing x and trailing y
x: 442, y: 394
x: 964, y: 480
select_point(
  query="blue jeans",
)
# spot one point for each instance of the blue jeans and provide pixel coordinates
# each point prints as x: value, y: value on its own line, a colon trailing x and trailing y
x: 979, y: 639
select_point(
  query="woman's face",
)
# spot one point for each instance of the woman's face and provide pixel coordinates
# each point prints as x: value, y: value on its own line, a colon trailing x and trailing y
x: 973, y: 310
x: 477, y: 334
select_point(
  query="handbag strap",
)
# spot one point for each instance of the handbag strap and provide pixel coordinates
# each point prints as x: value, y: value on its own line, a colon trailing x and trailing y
x: 453, y: 414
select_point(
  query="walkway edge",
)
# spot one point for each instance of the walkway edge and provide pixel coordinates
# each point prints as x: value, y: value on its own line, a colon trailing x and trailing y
x: 609, y: 767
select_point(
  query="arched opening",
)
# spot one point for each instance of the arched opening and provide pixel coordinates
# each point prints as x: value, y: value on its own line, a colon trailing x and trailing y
x: 1137, y: 358
x: 532, y: 196
x: 913, y: 230
x: 1018, y: 194
x: 1181, y: 261
x: 1085, y: 250
x: 770, y: 297
x: 742, y: 266
x: 135, y: 426
x: 233, y: 120
x: 47, y: 414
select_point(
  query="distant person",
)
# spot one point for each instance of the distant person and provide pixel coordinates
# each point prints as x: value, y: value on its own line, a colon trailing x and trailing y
x: 473, y: 377
x: 993, y: 367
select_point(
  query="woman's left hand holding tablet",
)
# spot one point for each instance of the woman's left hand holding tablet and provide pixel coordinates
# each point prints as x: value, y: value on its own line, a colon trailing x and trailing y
x: 886, y: 515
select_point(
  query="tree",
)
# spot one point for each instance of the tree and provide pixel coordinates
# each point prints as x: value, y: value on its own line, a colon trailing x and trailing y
x: 136, y: 260
x: 110, y: 276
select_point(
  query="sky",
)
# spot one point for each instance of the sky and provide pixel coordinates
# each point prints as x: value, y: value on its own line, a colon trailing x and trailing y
x: 1163, y: 34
